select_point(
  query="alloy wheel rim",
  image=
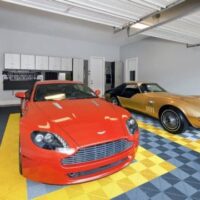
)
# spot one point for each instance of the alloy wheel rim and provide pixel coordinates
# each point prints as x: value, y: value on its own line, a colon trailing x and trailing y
x: 171, y: 120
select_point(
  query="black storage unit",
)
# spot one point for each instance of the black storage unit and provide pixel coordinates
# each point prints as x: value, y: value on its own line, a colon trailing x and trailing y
x: 17, y: 85
x: 51, y: 75
x: 19, y: 80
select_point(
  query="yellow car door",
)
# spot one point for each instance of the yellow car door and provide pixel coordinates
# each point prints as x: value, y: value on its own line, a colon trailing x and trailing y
x: 131, y: 97
x: 143, y: 102
x: 139, y: 102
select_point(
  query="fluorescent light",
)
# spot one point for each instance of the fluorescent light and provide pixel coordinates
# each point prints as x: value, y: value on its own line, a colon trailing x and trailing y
x: 139, y: 26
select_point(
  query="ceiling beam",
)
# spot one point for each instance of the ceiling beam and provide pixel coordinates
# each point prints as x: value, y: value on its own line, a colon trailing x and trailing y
x: 164, y: 16
x: 66, y: 12
x: 99, y: 9
x: 149, y: 4
x: 192, y: 45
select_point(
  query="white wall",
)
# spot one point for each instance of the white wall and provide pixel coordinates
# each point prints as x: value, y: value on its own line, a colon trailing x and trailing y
x: 28, y: 43
x: 170, y: 64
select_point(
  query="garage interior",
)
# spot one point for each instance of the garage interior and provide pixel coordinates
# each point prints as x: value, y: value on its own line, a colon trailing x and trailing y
x: 113, y: 41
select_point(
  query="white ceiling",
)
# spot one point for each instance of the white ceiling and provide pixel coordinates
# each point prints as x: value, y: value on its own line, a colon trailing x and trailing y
x: 76, y: 17
x: 184, y: 30
x: 114, y: 13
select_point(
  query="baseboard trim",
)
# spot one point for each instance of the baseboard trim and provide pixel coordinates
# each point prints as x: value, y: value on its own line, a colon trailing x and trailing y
x: 9, y: 105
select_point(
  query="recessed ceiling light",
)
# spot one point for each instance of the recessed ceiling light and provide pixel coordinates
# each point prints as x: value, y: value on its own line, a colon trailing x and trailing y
x: 139, y: 26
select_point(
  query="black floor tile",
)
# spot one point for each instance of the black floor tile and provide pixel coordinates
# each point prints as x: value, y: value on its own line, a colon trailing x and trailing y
x: 4, y: 114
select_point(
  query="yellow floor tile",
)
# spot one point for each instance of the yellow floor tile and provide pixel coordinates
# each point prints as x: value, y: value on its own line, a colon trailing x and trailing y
x: 149, y: 174
x: 112, y: 190
x: 91, y: 186
x: 99, y: 194
x: 147, y: 162
x: 12, y: 184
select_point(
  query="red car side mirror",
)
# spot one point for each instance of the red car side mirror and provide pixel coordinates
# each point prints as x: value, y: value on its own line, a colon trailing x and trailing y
x: 97, y: 92
x: 21, y: 95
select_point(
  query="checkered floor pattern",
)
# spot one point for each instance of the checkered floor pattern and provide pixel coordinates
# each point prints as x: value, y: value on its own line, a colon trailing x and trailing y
x: 166, y: 167
x: 192, y: 134
x: 178, y: 184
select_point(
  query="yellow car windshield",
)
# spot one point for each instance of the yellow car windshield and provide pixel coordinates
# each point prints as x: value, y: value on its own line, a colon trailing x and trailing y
x: 151, y: 87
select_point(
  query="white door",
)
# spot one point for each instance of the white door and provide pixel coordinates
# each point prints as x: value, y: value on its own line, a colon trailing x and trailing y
x: 118, y: 73
x: 78, y: 65
x: 131, y: 69
x: 97, y: 74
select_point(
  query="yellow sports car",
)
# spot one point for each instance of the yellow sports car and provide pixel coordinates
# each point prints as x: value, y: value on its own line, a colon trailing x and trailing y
x: 175, y: 112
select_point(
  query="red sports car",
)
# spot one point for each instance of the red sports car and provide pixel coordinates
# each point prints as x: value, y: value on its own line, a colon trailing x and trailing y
x: 70, y: 135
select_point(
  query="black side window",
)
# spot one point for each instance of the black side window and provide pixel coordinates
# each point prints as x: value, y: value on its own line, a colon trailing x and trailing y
x: 118, y: 90
x: 130, y: 90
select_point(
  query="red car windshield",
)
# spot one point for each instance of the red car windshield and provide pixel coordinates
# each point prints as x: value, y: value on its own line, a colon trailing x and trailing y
x: 51, y: 92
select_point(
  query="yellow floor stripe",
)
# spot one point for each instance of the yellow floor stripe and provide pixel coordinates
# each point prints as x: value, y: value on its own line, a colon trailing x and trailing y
x: 12, y: 185
x: 193, y: 145
x: 147, y: 167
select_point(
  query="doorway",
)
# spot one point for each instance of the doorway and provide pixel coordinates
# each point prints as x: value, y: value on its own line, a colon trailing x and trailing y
x: 85, y: 72
x: 110, y: 75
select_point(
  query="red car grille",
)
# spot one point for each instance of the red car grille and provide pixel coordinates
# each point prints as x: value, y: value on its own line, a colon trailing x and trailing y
x: 98, y: 152
x: 97, y: 170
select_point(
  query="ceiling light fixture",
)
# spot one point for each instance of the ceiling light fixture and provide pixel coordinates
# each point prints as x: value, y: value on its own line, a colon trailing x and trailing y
x: 139, y: 26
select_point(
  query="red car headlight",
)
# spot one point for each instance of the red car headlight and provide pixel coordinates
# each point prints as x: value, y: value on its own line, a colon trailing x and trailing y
x: 131, y: 125
x: 51, y: 141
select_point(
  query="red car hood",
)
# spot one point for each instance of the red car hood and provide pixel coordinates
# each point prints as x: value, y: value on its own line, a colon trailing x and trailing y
x: 86, y: 121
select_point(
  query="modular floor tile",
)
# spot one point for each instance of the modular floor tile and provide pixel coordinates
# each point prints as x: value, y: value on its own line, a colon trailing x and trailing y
x: 177, y: 184
x: 167, y: 167
x: 192, y: 134
x: 4, y: 114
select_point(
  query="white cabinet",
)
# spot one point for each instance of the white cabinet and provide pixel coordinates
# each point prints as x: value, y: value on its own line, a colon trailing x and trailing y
x: 66, y: 64
x: 41, y: 62
x: 27, y: 62
x: 78, y: 69
x: 12, y: 61
x: 54, y: 63
x: 61, y: 76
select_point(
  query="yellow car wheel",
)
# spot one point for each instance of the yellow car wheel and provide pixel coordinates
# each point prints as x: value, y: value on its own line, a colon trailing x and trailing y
x: 115, y: 101
x: 173, y: 120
